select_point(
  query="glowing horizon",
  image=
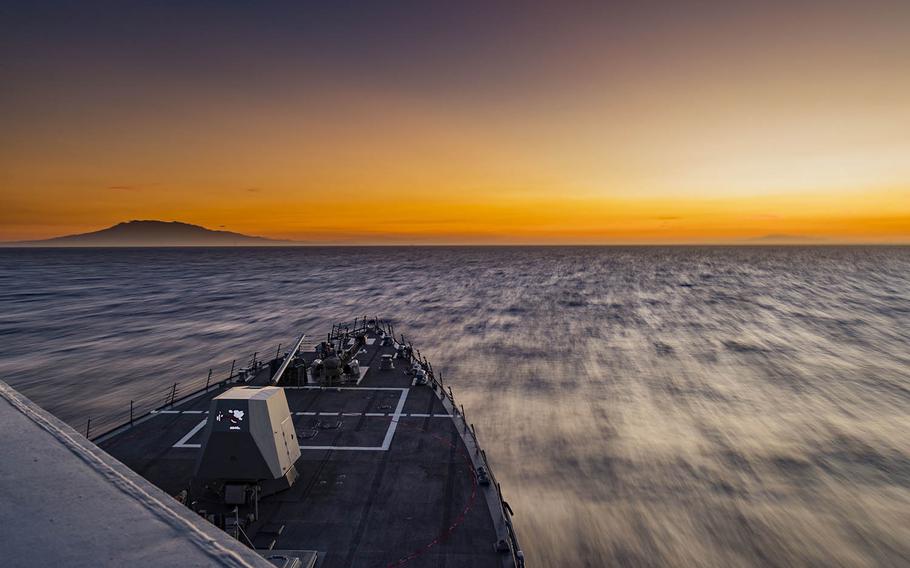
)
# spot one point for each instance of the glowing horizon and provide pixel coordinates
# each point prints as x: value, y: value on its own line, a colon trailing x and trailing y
x: 462, y: 125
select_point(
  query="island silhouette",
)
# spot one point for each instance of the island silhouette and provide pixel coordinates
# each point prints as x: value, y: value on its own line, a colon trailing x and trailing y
x: 151, y: 233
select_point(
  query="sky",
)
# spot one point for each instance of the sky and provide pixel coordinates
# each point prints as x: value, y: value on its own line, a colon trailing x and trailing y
x: 460, y: 122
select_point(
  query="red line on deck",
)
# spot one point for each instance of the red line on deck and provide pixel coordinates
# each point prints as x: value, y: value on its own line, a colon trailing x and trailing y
x: 458, y: 520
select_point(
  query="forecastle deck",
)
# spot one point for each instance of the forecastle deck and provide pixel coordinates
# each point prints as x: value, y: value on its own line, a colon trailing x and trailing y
x: 390, y: 473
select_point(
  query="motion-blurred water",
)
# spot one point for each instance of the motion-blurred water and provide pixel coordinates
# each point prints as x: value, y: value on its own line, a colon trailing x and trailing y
x: 642, y: 406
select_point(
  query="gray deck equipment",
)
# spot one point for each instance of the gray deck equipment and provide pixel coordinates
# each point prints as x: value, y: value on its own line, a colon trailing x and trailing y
x: 249, y: 439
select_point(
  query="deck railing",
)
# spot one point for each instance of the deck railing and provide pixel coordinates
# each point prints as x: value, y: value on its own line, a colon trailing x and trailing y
x: 470, y: 429
x: 161, y: 398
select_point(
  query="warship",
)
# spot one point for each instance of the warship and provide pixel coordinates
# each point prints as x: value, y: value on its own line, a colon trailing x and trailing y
x: 348, y: 450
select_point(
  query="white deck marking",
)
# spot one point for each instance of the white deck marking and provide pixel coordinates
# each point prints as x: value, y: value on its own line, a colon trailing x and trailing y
x: 183, y: 441
x: 418, y: 415
x: 363, y: 373
x: 317, y: 387
x: 390, y: 433
x: 355, y: 448
x: 386, y: 443
x: 373, y: 414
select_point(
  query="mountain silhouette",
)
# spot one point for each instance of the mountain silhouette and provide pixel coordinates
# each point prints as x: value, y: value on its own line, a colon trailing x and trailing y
x: 154, y: 234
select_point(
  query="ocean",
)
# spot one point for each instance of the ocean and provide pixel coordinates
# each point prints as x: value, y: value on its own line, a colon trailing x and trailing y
x: 642, y: 406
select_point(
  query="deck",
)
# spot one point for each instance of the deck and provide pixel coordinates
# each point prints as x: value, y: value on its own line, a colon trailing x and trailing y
x: 387, y: 474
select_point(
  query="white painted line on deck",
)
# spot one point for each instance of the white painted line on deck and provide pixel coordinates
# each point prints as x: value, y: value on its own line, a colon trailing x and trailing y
x: 317, y: 387
x: 390, y: 433
x: 183, y: 441
x: 363, y: 373
x: 386, y: 443
x: 356, y: 448
x: 418, y: 415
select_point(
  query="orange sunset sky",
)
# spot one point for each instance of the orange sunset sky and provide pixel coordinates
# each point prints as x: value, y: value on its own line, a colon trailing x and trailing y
x: 338, y: 122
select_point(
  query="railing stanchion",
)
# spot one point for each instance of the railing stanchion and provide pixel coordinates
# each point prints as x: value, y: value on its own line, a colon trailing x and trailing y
x: 153, y: 401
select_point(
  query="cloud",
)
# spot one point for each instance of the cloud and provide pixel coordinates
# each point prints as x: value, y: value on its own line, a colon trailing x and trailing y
x: 123, y: 187
x: 253, y: 189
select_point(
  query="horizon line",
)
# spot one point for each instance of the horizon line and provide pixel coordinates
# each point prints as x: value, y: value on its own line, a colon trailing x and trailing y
x: 288, y: 244
x: 165, y: 238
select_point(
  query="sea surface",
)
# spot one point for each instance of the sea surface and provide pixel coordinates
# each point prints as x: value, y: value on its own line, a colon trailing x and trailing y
x: 641, y: 406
